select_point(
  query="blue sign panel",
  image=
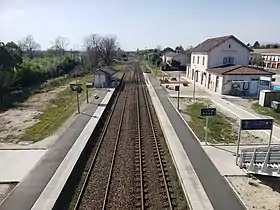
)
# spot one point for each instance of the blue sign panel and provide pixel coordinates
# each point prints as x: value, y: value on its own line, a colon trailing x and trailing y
x: 256, y: 124
x: 264, y: 82
x: 208, y: 111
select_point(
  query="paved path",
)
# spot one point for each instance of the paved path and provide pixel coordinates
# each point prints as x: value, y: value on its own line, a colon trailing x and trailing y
x: 215, y: 186
x: 16, y: 164
x: 26, y: 193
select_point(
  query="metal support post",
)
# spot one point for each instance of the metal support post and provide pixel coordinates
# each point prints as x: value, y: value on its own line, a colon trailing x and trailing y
x: 87, y: 95
x: 78, y: 102
x: 178, y: 100
x: 270, y: 136
x: 194, y: 84
x: 238, y: 143
x: 206, y: 130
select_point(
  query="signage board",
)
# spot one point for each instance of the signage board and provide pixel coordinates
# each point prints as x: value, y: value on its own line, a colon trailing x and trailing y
x: 256, y: 124
x: 76, y: 87
x: 79, y: 89
x: 208, y: 112
x: 264, y: 82
x: 89, y: 84
x: 265, y: 78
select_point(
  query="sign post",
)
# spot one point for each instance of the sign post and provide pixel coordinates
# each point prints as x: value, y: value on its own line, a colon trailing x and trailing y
x: 254, y: 124
x: 87, y: 95
x: 78, y: 89
x: 177, y: 88
x: 206, y: 130
x: 88, y: 85
x: 207, y: 112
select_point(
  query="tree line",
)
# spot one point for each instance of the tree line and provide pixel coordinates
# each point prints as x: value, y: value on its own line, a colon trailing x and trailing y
x: 154, y: 55
x: 24, y: 64
x: 257, y: 45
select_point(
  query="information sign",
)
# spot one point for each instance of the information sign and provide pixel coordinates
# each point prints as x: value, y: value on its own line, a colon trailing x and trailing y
x: 208, y: 112
x: 256, y: 124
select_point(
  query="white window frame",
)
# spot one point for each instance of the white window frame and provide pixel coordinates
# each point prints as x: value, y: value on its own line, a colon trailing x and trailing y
x: 228, y: 60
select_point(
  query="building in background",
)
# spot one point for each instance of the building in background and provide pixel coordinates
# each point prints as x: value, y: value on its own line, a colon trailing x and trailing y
x: 106, y: 77
x: 179, y: 57
x: 220, y: 64
x: 267, y: 58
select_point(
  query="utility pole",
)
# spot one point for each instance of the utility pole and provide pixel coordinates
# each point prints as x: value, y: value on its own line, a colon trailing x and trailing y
x: 78, y: 101
x: 194, y: 81
x: 178, y: 100
x: 77, y: 94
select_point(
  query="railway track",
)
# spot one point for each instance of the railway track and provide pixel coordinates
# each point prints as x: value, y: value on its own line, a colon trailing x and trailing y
x: 152, y: 167
x: 128, y: 168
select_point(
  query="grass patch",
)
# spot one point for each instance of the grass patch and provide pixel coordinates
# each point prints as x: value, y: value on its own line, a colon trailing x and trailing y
x: 155, y: 70
x: 118, y: 67
x: 266, y: 111
x: 57, y: 112
x: 221, y: 129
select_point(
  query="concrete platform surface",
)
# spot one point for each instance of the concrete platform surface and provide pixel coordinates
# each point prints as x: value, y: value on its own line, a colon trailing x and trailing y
x: 224, y: 158
x: 217, y: 189
x: 16, y: 164
x: 191, y: 185
x: 25, y: 194
x: 53, y: 189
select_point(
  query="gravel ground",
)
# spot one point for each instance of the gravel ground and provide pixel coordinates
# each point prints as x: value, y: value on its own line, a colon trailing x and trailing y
x: 156, y: 195
x: 177, y: 194
x: 261, y: 193
x: 96, y: 187
x: 122, y: 183
x: 123, y: 190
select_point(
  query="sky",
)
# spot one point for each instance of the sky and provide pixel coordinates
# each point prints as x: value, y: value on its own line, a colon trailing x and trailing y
x: 140, y: 23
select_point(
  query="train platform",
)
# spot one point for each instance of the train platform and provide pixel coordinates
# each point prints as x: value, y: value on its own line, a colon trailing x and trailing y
x: 205, y: 187
x: 40, y: 188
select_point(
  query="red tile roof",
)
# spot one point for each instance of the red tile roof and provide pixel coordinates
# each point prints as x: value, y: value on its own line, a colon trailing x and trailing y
x: 211, y: 43
x: 170, y: 54
x: 239, y: 70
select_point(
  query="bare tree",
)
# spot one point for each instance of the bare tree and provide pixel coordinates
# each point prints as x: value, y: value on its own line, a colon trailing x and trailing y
x: 109, y: 46
x: 93, y: 49
x: 101, y: 50
x: 29, y: 46
x: 60, y: 44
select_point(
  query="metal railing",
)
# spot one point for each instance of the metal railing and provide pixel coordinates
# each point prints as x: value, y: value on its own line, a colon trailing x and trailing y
x: 261, y: 160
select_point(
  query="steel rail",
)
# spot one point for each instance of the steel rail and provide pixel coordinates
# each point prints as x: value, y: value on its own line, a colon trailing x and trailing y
x: 156, y: 144
x: 106, y: 125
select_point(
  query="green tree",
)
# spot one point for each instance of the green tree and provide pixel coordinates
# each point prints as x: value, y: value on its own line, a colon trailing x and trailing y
x: 256, y: 45
x: 179, y: 49
x: 7, y: 65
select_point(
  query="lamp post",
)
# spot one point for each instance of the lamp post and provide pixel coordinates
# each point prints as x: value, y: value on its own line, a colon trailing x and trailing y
x: 77, y: 93
x: 178, y: 98
x: 194, y: 84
